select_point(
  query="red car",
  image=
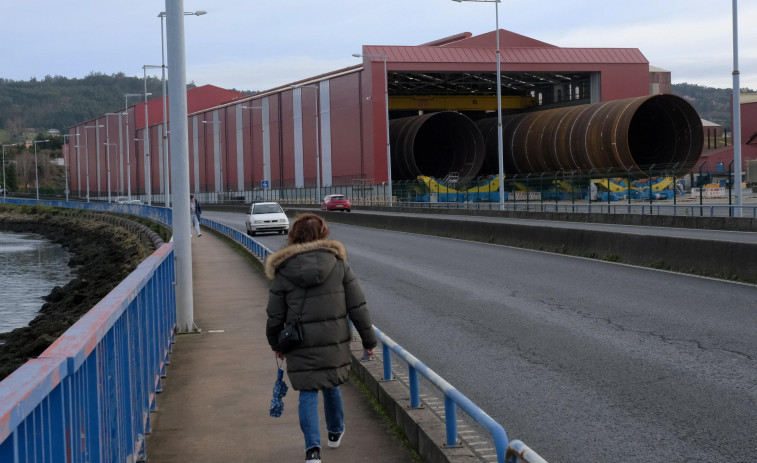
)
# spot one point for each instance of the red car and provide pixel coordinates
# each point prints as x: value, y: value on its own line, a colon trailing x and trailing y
x: 336, y: 203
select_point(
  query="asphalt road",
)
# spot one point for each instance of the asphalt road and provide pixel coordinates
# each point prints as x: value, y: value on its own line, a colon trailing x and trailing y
x: 583, y: 360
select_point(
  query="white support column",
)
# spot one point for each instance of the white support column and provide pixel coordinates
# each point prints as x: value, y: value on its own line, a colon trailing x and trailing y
x: 299, y: 174
x: 266, y: 120
x: 196, y: 153
x: 240, y: 149
x: 324, y: 106
x: 179, y: 146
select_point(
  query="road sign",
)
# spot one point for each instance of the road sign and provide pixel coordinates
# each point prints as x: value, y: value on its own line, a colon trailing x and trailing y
x: 264, y: 184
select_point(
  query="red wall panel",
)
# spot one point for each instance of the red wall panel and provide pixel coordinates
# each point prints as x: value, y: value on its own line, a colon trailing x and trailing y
x: 346, y: 134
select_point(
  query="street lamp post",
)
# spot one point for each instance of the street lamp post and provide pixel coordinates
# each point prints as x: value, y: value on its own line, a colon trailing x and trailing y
x: 128, y: 158
x: 66, y: 164
x: 736, y: 132
x: 36, y: 167
x: 148, y: 183
x: 499, y: 105
x: 148, y: 175
x: 86, y: 153
x: 5, y: 185
x: 162, y: 15
x: 386, y: 102
x: 108, y: 144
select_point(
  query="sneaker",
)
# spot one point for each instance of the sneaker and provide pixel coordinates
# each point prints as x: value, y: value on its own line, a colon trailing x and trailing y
x: 199, y: 234
x: 313, y: 455
x: 335, y: 439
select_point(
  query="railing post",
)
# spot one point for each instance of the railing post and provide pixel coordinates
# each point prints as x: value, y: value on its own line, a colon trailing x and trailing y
x: 387, y: 353
x: 450, y: 414
x: 415, y: 397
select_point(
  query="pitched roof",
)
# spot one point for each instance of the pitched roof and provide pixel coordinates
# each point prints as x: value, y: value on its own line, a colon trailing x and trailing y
x: 198, y: 99
x: 529, y: 55
x: 514, y: 49
x: 507, y: 39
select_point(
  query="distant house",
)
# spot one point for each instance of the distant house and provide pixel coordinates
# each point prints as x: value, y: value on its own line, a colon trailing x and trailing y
x: 659, y: 81
x: 712, y: 132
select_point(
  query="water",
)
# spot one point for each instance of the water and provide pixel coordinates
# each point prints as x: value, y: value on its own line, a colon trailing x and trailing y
x: 30, y: 267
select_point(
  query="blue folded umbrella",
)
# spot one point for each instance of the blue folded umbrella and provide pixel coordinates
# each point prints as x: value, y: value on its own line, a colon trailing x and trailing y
x: 280, y: 389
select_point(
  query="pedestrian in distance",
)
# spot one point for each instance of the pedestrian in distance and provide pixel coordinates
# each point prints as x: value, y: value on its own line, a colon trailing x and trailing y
x: 195, y: 212
x: 312, y: 283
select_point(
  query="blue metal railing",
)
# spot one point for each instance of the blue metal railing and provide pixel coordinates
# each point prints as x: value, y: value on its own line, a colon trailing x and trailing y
x: 452, y: 397
x: 518, y: 452
x: 262, y: 252
x: 88, y: 397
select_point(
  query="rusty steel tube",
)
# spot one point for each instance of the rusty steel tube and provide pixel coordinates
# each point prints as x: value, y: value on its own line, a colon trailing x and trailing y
x: 631, y: 135
x: 434, y: 145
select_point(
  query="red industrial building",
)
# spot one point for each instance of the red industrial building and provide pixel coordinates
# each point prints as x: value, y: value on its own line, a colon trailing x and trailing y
x: 719, y: 161
x: 331, y: 130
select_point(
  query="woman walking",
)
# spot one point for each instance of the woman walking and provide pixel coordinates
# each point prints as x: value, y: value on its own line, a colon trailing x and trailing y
x: 313, y: 283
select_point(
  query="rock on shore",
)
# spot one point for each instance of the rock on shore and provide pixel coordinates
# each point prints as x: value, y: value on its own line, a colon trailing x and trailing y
x: 102, y: 255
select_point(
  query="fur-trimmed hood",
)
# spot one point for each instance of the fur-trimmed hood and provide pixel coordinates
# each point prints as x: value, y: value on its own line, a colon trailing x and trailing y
x: 313, y: 261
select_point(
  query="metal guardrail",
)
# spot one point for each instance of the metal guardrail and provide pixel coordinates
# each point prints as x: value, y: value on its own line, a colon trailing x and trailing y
x: 88, y: 397
x: 452, y: 397
x: 518, y: 452
x: 260, y: 251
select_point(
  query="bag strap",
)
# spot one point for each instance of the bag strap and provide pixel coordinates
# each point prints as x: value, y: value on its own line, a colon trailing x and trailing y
x: 299, y: 315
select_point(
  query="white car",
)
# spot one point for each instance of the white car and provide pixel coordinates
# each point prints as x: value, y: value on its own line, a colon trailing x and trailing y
x: 125, y: 200
x: 266, y: 217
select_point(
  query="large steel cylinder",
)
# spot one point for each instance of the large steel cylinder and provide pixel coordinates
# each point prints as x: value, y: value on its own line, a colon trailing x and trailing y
x: 633, y: 135
x: 434, y: 145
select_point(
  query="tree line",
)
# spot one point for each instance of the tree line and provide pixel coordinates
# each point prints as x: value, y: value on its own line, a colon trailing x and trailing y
x: 59, y: 102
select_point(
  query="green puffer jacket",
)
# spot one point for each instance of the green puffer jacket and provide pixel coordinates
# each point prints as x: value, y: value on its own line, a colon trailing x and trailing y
x: 314, y: 280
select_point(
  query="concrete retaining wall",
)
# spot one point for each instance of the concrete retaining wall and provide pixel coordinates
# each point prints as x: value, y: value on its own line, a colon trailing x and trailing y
x: 682, y: 221
x: 703, y: 257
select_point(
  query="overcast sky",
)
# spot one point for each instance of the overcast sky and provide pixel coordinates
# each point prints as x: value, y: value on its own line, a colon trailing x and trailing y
x: 260, y: 44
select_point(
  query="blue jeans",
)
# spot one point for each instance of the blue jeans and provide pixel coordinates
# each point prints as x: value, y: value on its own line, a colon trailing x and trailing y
x: 196, y: 223
x: 332, y: 407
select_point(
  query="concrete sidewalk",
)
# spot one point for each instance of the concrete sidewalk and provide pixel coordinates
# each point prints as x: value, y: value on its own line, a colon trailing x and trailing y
x: 218, y: 388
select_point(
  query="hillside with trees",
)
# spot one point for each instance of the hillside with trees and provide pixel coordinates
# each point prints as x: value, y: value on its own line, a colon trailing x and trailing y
x: 28, y: 109
x: 59, y: 102
x: 712, y: 104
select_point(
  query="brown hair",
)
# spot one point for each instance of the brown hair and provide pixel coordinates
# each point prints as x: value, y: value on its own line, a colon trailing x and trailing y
x: 308, y: 227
